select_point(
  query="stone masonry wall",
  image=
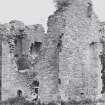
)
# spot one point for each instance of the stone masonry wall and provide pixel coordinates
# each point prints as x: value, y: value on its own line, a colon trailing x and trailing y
x: 65, y: 60
x: 19, y: 58
x: 79, y: 62
x: 102, y: 55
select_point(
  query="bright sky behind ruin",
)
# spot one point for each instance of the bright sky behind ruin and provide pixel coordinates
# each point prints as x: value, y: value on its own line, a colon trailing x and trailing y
x: 36, y: 11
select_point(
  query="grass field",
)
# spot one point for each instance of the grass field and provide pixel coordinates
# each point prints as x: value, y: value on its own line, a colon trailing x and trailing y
x: 22, y: 101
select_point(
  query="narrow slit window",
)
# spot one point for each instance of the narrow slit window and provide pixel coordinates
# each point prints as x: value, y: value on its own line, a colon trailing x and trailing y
x: 59, y: 45
x: 89, y: 10
x: 59, y: 81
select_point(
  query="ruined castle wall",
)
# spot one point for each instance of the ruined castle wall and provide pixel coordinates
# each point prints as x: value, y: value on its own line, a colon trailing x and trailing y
x: 55, y: 32
x: 65, y: 60
x: 48, y: 76
x: 14, y: 77
x: 12, y: 80
x: 0, y: 63
x: 102, y: 55
x: 79, y: 62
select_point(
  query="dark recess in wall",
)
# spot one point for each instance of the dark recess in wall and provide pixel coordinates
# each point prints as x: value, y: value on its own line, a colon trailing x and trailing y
x: 35, y: 47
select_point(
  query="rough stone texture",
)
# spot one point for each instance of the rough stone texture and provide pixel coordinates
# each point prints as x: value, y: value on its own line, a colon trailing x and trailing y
x: 65, y: 60
x: 15, y: 50
x: 79, y: 62
x: 0, y: 64
x: 102, y: 55
x: 79, y: 59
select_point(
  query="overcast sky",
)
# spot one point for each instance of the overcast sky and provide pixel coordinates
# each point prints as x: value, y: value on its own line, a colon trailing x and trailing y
x: 36, y: 11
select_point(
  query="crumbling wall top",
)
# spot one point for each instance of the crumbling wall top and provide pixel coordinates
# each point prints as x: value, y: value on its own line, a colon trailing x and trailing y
x: 15, y: 28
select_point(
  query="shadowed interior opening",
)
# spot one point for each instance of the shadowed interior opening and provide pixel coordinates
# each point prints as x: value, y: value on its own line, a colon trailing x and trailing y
x: 35, y: 83
x: 23, y: 63
x: 35, y: 47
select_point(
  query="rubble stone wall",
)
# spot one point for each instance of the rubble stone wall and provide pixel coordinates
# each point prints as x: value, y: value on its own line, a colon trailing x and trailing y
x: 79, y: 61
x: 65, y: 60
x: 18, y: 71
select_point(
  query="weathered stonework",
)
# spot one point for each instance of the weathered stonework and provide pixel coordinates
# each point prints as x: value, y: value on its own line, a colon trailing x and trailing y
x: 17, y: 60
x: 66, y: 62
x: 102, y: 55
x: 80, y: 52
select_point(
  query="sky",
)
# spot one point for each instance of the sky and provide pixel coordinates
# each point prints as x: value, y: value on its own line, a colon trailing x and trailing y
x: 36, y: 11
